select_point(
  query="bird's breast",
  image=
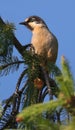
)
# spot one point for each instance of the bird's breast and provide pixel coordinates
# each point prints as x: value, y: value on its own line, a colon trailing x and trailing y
x: 41, y: 42
x: 45, y: 44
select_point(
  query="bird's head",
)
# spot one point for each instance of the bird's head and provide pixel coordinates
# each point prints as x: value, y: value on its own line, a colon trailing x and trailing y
x: 33, y: 22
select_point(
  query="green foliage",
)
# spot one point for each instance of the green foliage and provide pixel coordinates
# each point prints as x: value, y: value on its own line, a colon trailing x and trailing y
x: 0, y: 110
x: 58, y: 113
x: 38, y: 109
x: 9, y: 64
x: 7, y: 61
x: 6, y: 39
x: 66, y: 81
x: 34, y: 115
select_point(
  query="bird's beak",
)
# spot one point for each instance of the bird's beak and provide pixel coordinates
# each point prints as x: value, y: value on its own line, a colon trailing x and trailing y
x: 23, y: 23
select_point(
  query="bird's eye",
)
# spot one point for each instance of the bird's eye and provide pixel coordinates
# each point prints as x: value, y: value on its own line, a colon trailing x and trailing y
x: 32, y: 19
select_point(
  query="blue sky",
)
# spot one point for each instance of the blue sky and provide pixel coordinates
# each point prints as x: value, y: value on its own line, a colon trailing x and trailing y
x: 60, y: 18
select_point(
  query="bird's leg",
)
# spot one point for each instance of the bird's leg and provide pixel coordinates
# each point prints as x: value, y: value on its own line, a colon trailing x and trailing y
x: 46, y: 75
x: 32, y: 49
x: 26, y: 46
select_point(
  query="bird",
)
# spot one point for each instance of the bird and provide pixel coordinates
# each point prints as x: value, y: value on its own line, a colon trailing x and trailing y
x: 43, y: 40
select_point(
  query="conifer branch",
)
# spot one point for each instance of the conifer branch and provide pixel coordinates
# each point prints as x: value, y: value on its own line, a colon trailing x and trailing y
x: 16, y: 42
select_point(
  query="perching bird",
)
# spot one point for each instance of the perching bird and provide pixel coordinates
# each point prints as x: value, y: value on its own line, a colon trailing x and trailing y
x: 43, y: 40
